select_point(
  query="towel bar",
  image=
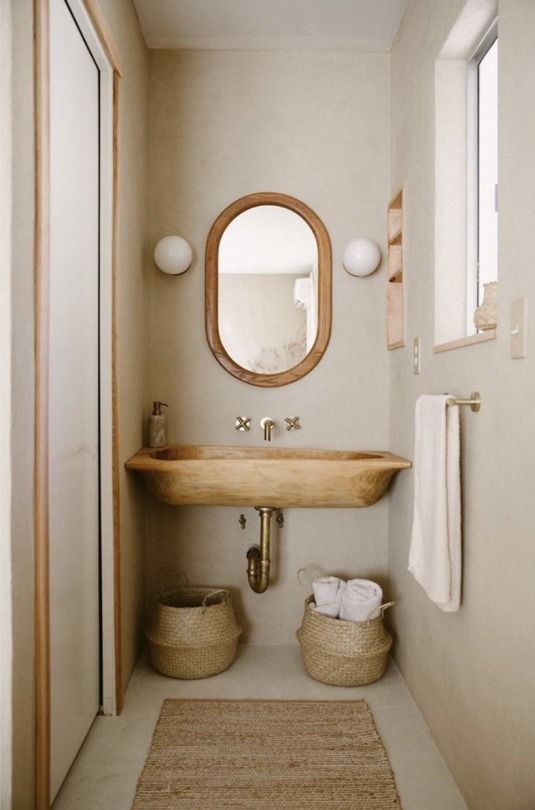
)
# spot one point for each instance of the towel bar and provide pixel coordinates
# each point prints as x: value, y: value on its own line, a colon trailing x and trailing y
x: 474, y: 401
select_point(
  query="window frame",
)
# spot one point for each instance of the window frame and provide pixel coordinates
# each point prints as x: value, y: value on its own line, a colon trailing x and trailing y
x: 485, y: 43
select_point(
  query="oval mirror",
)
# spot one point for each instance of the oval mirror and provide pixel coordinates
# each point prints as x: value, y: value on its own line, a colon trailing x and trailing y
x: 268, y: 289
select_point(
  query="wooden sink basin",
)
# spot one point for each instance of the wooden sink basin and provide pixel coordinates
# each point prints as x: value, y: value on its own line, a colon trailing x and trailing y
x: 266, y: 476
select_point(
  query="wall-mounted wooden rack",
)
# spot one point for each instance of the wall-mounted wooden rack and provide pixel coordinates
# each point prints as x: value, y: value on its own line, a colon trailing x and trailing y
x: 395, y: 324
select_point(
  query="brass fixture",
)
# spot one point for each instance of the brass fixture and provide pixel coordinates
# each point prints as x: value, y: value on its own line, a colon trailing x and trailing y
x: 267, y: 424
x: 292, y: 422
x: 242, y: 520
x: 258, y: 558
x: 243, y: 423
x: 474, y: 401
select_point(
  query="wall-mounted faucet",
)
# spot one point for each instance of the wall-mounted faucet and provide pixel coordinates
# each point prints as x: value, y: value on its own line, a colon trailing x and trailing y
x: 267, y: 424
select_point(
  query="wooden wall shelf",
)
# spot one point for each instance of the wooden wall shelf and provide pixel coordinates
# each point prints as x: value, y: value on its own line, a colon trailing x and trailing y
x: 395, y: 321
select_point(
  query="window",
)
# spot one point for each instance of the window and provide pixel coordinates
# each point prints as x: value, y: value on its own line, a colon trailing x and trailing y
x: 466, y: 177
x: 482, y: 207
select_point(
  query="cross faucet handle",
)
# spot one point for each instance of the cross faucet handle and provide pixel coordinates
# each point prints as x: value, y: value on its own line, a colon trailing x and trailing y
x: 243, y: 423
x: 292, y: 422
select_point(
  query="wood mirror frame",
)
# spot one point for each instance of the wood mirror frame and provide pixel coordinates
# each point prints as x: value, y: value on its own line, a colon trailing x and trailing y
x: 324, y: 289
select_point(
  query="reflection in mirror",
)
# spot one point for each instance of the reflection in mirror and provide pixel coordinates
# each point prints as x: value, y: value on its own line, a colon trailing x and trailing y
x: 267, y: 288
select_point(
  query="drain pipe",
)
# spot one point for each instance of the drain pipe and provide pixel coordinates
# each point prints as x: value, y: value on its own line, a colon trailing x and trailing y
x: 258, y: 558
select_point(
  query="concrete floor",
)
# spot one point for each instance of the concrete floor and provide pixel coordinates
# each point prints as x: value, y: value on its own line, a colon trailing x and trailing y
x: 107, y: 768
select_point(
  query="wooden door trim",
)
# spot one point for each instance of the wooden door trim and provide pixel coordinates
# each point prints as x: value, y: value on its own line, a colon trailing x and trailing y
x: 41, y: 439
x: 102, y: 31
x: 116, y: 462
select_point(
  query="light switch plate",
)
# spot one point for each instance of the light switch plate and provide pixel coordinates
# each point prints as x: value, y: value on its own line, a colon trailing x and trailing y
x: 519, y: 328
x: 416, y: 356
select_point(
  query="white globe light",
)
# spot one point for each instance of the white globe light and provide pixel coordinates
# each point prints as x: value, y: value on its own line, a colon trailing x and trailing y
x: 173, y: 255
x: 361, y: 257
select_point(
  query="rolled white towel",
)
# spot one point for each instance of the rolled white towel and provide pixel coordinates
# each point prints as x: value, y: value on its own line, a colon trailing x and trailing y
x: 361, y: 600
x: 327, y: 595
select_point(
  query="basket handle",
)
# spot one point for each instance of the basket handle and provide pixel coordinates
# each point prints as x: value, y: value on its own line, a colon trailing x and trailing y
x: 312, y: 574
x: 209, y: 595
x: 385, y: 607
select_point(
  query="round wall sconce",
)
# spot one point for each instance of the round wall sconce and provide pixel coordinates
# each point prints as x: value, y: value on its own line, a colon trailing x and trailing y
x: 361, y: 257
x: 173, y: 255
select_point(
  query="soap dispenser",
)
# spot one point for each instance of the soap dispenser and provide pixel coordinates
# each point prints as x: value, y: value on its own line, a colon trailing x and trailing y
x: 157, y: 426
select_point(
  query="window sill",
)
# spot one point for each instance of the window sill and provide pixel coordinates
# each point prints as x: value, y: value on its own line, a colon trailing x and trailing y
x: 466, y: 341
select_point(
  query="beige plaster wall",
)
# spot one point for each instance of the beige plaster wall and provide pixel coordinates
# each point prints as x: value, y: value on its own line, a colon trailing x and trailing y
x: 471, y: 672
x: 224, y: 124
x: 131, y: 322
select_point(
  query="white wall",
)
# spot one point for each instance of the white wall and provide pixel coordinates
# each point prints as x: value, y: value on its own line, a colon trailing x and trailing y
x: 22, y: 407
x: 471, y: 672
x: 223, y: 124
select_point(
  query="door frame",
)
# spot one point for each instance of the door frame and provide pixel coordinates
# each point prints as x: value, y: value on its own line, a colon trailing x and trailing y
x: 6, y: 626
x: 92, y: 25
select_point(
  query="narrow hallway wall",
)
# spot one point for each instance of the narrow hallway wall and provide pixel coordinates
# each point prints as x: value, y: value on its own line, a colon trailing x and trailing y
x: 131, y: 310
x: 471, y: 672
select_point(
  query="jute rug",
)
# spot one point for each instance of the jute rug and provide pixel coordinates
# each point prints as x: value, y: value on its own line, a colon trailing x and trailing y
x: 266, y: 755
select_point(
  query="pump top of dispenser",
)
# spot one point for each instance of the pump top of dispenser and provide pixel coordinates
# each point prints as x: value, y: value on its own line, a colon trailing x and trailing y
x: 157, y: 408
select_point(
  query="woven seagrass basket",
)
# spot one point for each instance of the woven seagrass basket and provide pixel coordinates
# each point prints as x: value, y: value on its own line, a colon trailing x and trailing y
x: 193, y: 632
x: 342, y: 653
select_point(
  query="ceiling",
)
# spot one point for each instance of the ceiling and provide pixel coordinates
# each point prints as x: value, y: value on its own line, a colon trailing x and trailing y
x: 364, y: 25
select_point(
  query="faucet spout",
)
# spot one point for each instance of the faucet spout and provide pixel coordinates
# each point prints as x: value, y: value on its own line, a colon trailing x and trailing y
x: 267, y: 424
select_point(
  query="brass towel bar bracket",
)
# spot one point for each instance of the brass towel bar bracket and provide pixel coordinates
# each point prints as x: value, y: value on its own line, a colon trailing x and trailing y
x: 474, y: 401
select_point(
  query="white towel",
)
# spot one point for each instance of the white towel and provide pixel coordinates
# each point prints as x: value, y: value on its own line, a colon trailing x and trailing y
x: 435, y: 551
x: 361, y: 600
x: 327, y: 595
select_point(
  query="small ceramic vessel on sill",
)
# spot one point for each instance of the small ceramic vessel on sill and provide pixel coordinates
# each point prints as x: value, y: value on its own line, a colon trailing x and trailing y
x: 486, y: 315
